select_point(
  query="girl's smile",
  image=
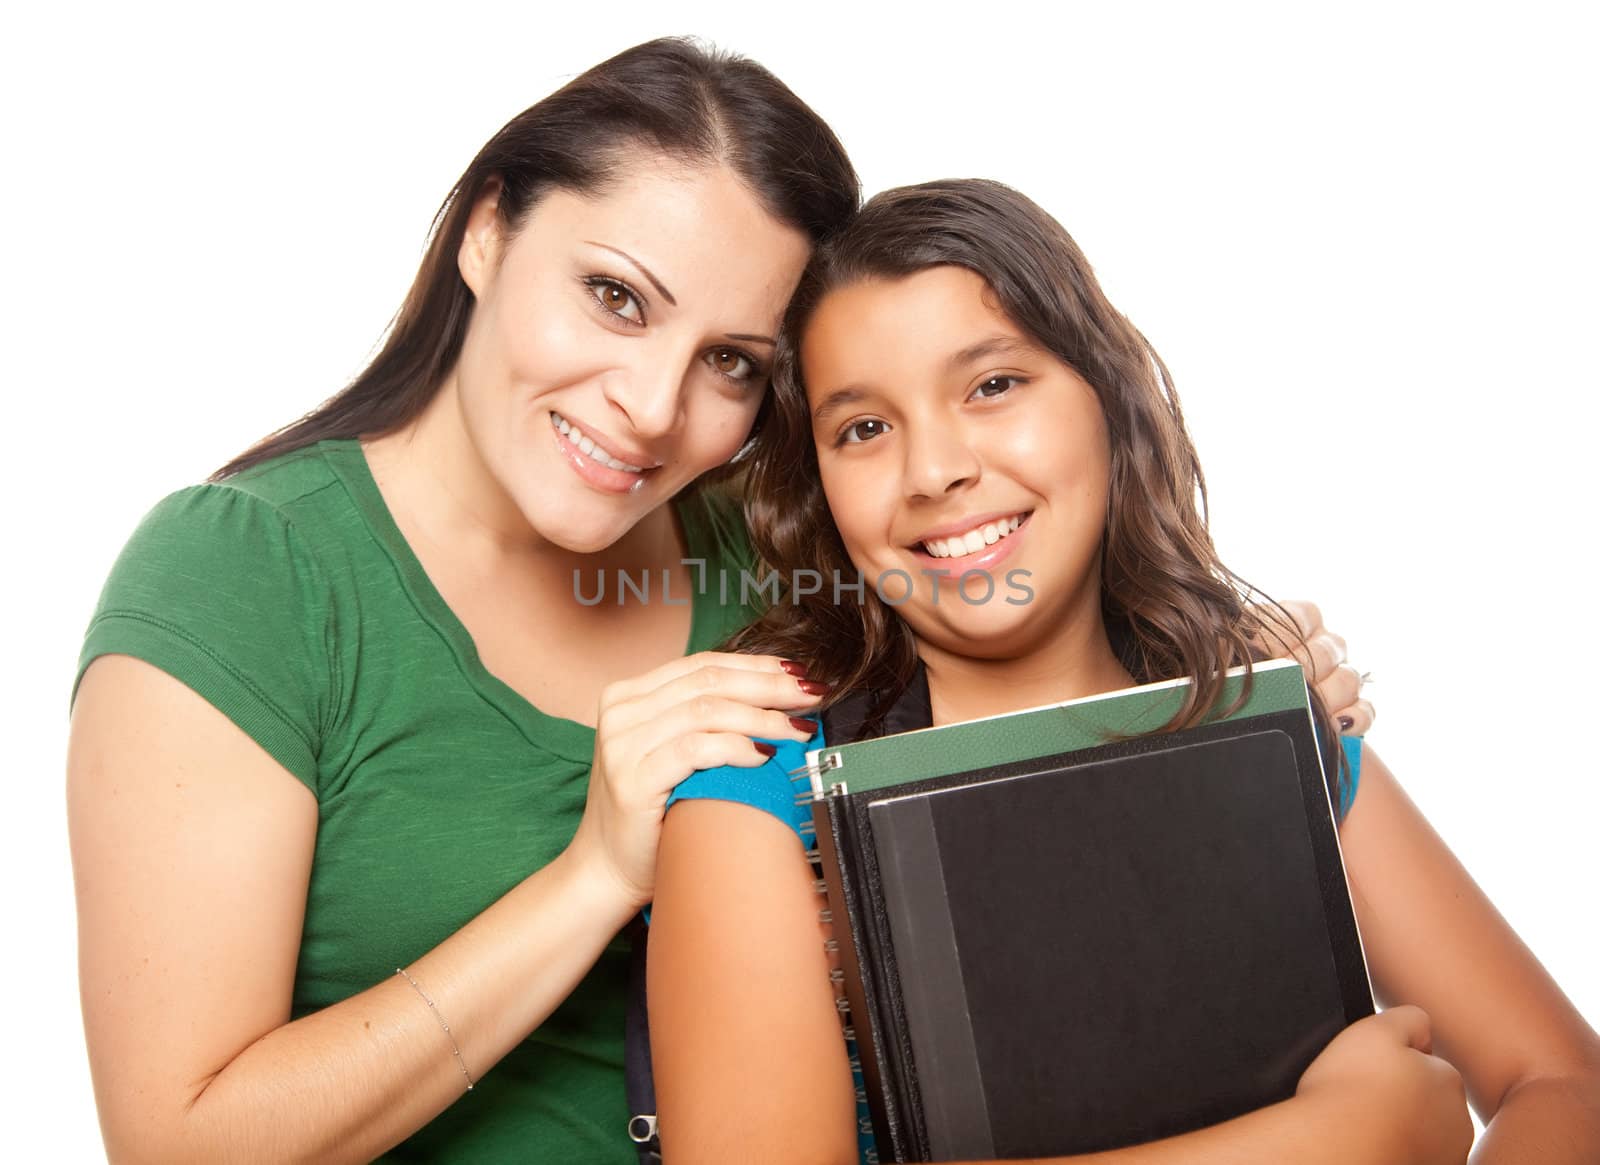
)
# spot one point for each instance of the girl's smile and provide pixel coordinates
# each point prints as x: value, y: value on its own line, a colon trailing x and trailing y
x: 980, y: 543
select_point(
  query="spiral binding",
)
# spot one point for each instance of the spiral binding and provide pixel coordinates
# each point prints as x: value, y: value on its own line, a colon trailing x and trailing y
x: 812, y: 775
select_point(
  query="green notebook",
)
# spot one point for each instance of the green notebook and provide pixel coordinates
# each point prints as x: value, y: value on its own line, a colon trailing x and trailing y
x: 1063, y: 931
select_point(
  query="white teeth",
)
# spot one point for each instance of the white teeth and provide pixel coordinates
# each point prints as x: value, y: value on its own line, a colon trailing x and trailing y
x: 587, y: 446
x: 973, y: 540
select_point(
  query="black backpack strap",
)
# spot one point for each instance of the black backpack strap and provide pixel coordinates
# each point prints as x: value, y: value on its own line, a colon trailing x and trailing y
x: 637, y: 1075
x: 850, y: 718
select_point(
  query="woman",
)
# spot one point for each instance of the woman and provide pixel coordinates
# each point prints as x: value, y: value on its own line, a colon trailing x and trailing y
x: 337, y: 709
x: 362, y: 783
x: 955, y: 394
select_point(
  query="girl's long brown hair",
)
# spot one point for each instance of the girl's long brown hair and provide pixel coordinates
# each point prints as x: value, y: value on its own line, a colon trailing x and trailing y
x: 670, y: 96
x: 1170, y: 604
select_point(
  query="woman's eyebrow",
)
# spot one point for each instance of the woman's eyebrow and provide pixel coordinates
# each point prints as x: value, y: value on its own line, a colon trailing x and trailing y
x: 642, y: 269
x: 752, y: 339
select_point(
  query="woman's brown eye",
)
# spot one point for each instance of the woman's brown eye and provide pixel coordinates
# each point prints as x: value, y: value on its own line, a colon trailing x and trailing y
x: 617, y: 299
x: 732, y: 363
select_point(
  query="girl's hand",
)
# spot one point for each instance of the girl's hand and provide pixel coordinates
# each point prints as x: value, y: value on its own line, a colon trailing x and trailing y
x: 1387, y: 1092
x: 1322, y: 654
x: 656, y: 729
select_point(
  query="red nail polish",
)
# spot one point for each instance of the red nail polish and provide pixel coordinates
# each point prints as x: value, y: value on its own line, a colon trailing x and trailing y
x: 814, y: 688
x: 764, y: 748
x: 1346, y: 723
x: 806, y: 726
x: 792, y: 668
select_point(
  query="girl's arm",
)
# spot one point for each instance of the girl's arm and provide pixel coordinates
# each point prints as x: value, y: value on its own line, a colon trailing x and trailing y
x: 1530, y: 1062
x: 750, y: 1063
x: 192, y: 853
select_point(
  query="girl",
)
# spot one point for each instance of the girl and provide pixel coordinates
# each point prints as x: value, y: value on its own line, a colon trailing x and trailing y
x: 955, y: 394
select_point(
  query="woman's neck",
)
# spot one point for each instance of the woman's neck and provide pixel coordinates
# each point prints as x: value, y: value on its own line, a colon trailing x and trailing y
x: 1077, y: 661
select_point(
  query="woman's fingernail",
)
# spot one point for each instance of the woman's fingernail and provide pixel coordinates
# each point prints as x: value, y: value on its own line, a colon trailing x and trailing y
x: 764, y: 748
x: 1346, y: 723
x: 805, y: 726
x: 792, y: 668
x: 814, y: 688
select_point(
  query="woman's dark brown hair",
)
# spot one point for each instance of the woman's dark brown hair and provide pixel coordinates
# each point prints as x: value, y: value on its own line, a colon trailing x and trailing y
x: 670, y: 96
x: 1170, y: 604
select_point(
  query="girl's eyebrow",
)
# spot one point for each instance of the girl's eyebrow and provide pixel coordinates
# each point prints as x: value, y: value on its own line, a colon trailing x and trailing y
x: 993, y: 346
x: 638, y: 266
x: 1001, y: 345
x: 836, y: 400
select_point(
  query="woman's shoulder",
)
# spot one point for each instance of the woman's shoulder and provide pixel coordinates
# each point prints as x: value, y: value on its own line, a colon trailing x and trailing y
x: 289, y: 477
x: 268, y: 512
x: 222, y: 585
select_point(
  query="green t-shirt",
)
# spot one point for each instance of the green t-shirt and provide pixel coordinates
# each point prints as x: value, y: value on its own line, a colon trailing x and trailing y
x: 287, y: 597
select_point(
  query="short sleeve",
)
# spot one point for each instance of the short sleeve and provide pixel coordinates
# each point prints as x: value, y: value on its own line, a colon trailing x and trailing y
x: 1352, y: 756
x: 776, y: 787
x: 217, y: 589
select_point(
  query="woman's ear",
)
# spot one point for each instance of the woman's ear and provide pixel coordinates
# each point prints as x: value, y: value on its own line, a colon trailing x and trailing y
x: 480, y: 244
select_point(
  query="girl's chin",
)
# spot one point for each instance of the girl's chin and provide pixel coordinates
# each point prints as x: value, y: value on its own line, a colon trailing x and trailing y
x: 988, y: 631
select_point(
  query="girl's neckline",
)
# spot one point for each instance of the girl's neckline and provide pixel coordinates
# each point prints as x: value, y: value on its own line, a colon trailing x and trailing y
x: 558, y: 734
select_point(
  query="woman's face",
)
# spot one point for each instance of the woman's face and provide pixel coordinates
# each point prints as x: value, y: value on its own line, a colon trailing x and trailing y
x: 949, y: 442
x: 620, y: 343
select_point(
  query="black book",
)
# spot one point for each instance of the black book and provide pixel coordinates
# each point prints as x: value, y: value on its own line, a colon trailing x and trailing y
x: 1062, y: 932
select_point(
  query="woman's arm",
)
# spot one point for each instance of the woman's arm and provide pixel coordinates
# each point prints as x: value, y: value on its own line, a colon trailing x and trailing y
x: 1530, y: 1062
x: 750, y: 1062
x: 192, y: 852
x: 1322, y: 653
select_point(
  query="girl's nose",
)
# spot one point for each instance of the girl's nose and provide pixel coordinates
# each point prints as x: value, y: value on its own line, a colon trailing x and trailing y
x: 939, y: 460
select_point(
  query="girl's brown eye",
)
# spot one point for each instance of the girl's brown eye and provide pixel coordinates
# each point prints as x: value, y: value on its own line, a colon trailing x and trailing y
x: 860, y: 432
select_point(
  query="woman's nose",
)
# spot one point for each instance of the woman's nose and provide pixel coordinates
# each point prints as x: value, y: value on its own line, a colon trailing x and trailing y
x: 649, y: 393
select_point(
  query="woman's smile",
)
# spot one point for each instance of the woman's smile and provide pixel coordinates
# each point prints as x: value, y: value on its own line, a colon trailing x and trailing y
x: 594, y: 462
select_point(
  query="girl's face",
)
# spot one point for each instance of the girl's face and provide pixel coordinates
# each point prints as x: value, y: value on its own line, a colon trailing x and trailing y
x: 950, y: 442
x: 620, y: 343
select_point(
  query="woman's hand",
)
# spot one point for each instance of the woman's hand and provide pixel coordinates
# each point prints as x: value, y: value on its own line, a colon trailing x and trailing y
x: 1322, y: 654
x: 656, y: 729
x: 1399, y: 1102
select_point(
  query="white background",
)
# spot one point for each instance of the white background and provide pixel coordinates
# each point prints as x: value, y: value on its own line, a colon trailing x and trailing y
x: 1363, y: 238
